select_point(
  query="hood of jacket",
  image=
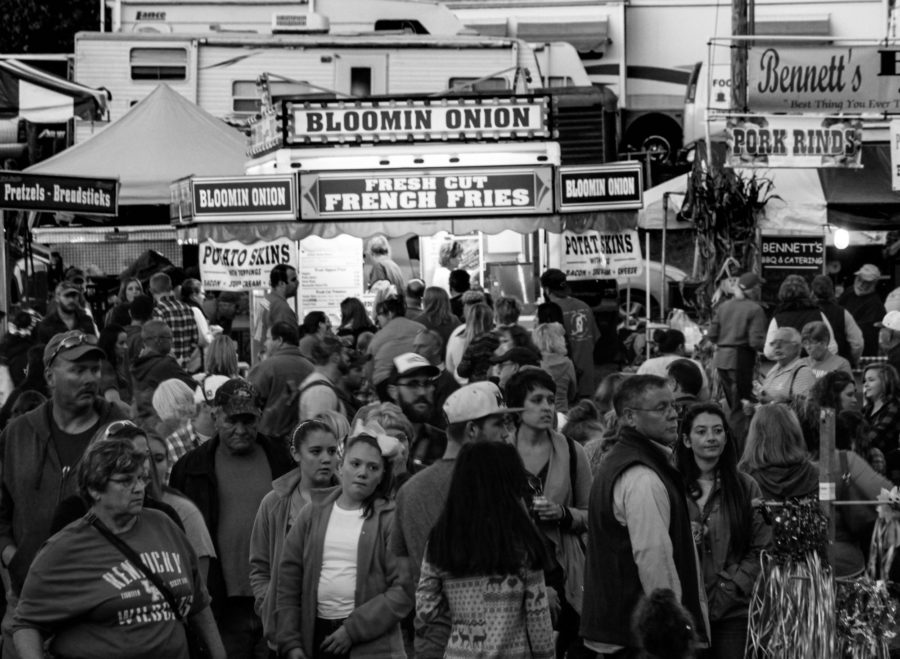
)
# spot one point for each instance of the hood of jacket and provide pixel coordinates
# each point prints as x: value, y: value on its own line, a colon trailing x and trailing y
x: 284, y: 485
x: 144, y: 365
x: 787, y: 481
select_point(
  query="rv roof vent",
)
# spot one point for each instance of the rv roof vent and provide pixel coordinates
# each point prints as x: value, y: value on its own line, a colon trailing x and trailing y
x: 299, y: 23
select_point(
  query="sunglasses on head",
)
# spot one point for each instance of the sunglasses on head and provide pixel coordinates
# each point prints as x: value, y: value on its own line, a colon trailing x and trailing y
x: 72, y: 342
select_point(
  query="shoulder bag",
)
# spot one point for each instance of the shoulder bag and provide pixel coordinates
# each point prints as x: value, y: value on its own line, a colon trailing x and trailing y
x: 196, y: 646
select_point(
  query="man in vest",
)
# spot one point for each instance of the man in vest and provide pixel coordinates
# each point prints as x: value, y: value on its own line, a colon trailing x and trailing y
x: 638, y: 521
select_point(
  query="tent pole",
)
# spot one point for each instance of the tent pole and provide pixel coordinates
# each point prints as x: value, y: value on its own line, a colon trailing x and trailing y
x: 662, y: 282
x: 4, y: 289
x: 647, y: 288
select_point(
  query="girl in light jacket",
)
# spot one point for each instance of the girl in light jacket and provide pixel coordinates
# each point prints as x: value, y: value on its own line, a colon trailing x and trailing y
x: 341, y: 592
x: 728, y: 531
x: 314, y: 449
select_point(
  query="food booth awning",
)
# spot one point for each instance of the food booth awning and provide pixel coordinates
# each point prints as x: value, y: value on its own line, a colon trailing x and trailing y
x: 34, y: 95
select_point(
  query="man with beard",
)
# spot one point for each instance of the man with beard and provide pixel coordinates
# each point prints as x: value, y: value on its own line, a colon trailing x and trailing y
x: 864, y: 304
x: 411, y: 387
x: 227, y: 478
x: 68, y: 314
x: 41, y: 449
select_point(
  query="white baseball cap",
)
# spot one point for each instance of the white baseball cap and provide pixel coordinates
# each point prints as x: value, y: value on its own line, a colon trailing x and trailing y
x: 891, y: 321
x: 206, y: 392
x: 476, y: 401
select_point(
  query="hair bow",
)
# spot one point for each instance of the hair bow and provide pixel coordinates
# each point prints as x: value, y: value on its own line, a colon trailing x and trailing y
x: 390, y: 446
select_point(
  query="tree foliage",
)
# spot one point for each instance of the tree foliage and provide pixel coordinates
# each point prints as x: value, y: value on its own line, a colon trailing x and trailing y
x: 31, y: 26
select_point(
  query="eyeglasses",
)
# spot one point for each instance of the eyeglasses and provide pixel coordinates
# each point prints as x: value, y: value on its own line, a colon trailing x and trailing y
x: 662, y: 408
x: 116, y: 427
x: 72, y: 342
x: 129, y: 482
x: 417, y: 384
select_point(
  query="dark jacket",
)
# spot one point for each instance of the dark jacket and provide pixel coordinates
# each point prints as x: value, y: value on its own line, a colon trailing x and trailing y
x: 147, y: 372
x: 612, y: 584
x: 427, y: 447
x: 33, y: 488
x: 52, y: 324
x: 194, y: 475
x: 866, y: 310
x: 800, y: 479
x: 277, y: 378
x: 14, y: 353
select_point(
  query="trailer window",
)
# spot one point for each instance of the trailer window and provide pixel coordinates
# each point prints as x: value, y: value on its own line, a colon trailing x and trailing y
x: 560, y: 81
x: 489, y: 84
x: 245, y: 99
x: 158, y: 64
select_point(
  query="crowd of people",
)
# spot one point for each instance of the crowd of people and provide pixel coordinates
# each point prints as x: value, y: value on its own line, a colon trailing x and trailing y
x: 433, y: 481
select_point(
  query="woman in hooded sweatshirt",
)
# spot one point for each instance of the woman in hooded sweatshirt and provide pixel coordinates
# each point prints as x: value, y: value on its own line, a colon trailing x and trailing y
x: 341, y: 591
x: 775, y: 455
x: 314, y: 448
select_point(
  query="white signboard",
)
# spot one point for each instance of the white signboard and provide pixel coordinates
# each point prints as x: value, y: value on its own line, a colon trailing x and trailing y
x: 233, y: 265
x: 330, y: 270
x: 597, y: 255
x: 895, y: 154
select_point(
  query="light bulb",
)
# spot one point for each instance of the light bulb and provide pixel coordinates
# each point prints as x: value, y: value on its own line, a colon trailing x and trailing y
x: 841, y: 238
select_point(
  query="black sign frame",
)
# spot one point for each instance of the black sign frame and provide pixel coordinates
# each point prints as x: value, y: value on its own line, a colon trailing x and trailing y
x: 22, y: 191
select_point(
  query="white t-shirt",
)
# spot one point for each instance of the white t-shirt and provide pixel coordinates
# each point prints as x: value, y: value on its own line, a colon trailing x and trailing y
x: 337, y: 582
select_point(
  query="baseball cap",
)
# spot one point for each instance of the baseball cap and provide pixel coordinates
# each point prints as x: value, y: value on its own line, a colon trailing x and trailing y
x: 476, y: 401
x: 553, y: 279
x: 868, y: 272
x: 890, y: 321
x: 71, y: 345
x: 64, y: 287
x: 519, y: 355
x: 206, y: 392
x: 750, y: 280
x: 237, y: 396
x: 411, y: 362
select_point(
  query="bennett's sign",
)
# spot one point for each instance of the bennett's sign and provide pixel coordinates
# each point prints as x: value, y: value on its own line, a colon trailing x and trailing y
x: 243, y: 198
x: 823, y: 79
x: 413, y: 193
x: 421, y: 120
x: 615, y: 186
x: 792, y: 141
x: 36, y: 192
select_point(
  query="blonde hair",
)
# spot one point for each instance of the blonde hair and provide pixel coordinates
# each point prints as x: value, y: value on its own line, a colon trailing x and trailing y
x: 336, y: 421
x: 174, y: 400
x: 774, y: 438
x: 221, y: 357
x: 550, y: 338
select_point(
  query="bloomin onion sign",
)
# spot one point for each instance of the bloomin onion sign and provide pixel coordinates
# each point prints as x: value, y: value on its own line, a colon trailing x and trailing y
x: 772, y: 141
x: 417, y: 193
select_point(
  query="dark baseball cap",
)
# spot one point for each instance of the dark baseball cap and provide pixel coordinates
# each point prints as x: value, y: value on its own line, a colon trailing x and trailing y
x: 236, y: 397
x: 71, y: 345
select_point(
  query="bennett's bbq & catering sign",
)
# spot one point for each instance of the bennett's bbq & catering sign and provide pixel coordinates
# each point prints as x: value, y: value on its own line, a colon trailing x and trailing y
x: 789, y: 255
x: 317, y: 122
x: 37, y: 192
x: 823, y: 79
x: 417, y: 193
x: 242, y: 198
x: 615, y: 186
x: 792, y: 141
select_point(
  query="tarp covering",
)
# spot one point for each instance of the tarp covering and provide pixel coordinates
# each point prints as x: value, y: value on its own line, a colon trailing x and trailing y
x: 251, y: 232
x: 41, y: 97
x: 862, y: 198
x: 163, y: 138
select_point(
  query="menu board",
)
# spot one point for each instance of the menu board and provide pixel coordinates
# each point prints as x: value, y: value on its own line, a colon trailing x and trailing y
x: 330, y: 270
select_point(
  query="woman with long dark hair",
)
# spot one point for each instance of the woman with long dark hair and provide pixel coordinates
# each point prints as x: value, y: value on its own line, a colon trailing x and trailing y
x: 728, y: 533
x: 437, y: 316
x: 482, y: 581
x: 354, y: 320
x: 340, y: 588
x: 115, y: 370
x: 881, y: 390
